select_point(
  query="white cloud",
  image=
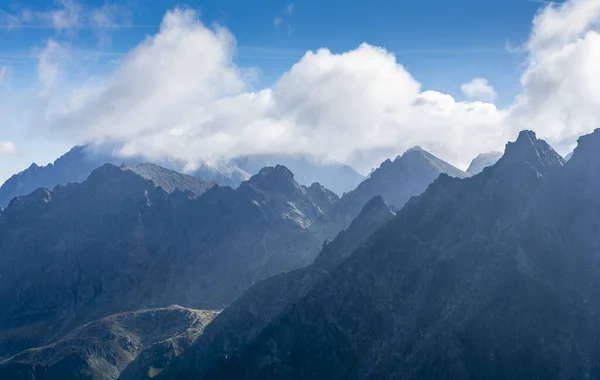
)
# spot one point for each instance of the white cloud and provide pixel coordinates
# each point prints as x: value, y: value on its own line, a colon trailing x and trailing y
x: 50, y: 59
x: 560, y: 95
x: 277, y: 21
x: 180, y: 95
x: 7, y: 147
x: 68, y: 16
x: 480, y: 89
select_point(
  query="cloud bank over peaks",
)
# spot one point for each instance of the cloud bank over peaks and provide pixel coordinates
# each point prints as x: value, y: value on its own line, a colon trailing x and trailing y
x: 560, y: 96
x: 179, y: 95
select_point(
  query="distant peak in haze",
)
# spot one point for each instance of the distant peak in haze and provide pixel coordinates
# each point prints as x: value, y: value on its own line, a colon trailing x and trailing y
x: 397, y: 181
x: 417, y: 148
x: 482, y: 161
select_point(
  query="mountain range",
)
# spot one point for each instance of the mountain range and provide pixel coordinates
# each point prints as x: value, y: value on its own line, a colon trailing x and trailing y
x: 488, y: 277
x: 117, y: 242
x: 79, y: 261
x: 77, y: 164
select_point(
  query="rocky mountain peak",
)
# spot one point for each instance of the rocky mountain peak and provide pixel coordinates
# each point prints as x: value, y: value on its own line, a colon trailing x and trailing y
x: 533, y: 153
x: 108, y: 171
x: 276, y: 179
x: 416, y: 148
x: 278, y: 172
x: 33, y: 166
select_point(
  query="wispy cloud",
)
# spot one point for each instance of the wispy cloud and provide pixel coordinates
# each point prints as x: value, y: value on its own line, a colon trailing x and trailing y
x: 69, y: 15
x: 512, y: 49
x: 289, y: 9
x: 4, y: 76
x: 284, y: 18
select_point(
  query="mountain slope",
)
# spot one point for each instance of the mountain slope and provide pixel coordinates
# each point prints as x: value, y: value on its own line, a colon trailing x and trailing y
x: 117, y: 242
x: 109, y: 348
x: 266, y: 300
x: 335, y: 176
x: 489, y: 277
x: 396, y: 181
x: 482, y: 161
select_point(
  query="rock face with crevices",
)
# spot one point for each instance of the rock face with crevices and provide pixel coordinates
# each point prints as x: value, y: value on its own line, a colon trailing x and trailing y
x: 128, y: 345
x: 489, y: 277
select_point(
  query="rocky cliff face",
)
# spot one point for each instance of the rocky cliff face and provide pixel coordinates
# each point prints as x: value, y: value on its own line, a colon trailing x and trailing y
x: 128, y: 345
x: 489, y: 277
x: 118, y: 242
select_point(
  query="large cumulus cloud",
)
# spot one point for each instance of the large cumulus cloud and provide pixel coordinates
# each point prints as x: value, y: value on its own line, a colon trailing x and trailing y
x: 180, y: 95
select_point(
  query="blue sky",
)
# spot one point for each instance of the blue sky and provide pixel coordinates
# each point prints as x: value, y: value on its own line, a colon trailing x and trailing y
x: 442, y: 43
x: 456, y: 77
